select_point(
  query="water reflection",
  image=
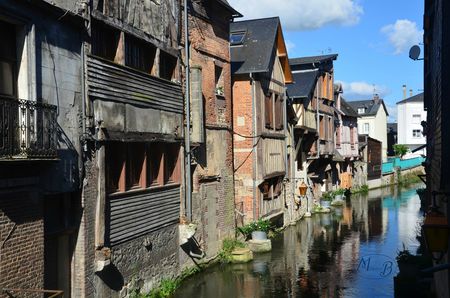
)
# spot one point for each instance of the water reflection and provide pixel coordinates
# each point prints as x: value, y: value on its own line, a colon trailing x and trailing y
x: 350, y: 253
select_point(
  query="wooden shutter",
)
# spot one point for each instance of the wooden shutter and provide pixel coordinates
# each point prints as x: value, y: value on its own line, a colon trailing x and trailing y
x: 268, y: 111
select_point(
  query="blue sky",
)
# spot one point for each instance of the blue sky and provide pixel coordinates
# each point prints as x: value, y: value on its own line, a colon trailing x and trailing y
x: 372, y: 38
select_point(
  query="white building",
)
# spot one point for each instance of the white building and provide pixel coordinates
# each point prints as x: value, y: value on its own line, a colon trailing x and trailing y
x: 410, y: 114
x: 372, y: 120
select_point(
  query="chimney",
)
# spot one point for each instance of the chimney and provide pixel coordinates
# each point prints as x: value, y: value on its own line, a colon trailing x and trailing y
x: 410, y: 93
x: 376, y: 98
x: 404, y: 91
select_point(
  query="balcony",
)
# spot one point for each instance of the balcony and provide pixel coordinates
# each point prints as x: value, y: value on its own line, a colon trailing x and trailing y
x: 306, y: 119
x: 27, y: 130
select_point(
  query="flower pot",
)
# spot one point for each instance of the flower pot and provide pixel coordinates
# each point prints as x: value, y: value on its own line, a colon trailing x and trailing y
x: 408, y: 269
x: 259, y: 235
x: 325, y: 204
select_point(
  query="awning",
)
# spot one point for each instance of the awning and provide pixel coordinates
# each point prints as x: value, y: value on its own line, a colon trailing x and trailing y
x: 419, y: 148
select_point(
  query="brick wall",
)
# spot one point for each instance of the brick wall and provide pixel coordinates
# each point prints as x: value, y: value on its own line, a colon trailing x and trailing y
x: 213, y: 179
x: 21, y: 241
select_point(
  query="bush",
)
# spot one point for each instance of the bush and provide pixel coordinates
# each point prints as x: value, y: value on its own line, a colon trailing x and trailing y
x: 228, y: 245
x: 327, y: 196
x: 263, y: 225
x: 364, y: 189
x: 339, y: 191
x: 400, y: 150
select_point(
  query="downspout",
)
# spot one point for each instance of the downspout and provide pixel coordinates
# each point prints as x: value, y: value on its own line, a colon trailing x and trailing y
x: 287, y: 175
x: 317, y: 124
x: 187, y: 135
x: 255, y: 142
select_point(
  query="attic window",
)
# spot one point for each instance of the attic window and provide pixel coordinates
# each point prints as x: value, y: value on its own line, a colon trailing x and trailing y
x: 237, y: 38
x: 361, y: 110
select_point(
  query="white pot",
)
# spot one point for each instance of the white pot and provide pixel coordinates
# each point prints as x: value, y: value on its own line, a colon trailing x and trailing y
x: 259, y: 235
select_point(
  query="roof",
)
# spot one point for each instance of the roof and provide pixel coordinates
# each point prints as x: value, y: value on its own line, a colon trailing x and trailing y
x: 257, y: 52
x: 347, y: 109
x: 371, y: 106
x: 234, y: 12
x: 415, y: 98
x: 312, y: 59
x: 304, y: 83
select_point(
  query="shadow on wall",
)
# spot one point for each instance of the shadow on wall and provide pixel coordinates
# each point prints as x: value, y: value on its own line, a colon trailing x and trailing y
x: 112, y: 277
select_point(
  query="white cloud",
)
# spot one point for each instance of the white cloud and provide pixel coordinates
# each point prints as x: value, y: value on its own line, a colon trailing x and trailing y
x: 363, y: 89
x: 289, y: 45
x: 301, y: 14
x: 402, y: 35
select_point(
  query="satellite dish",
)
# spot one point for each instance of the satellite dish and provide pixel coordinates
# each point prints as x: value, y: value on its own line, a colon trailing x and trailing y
x: 414, y: 52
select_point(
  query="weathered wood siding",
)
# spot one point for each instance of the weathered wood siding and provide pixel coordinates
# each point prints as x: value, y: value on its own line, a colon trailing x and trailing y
x: 133, y: 216
x: 273, y: 154
x: 113, y: 82
x: 374, y: 159
x: 306, y: 118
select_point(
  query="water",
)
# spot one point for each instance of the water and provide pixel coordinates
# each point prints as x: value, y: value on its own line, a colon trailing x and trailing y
x: 350, y: 253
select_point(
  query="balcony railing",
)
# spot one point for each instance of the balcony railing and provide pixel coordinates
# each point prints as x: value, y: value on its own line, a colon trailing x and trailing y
x: 27, y: 129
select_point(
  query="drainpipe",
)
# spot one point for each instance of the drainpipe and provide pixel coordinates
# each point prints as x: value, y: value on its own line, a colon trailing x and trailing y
x: 287, y: 176
x: 187, y: 136
x: 318, y: 124
x: 255, y: 141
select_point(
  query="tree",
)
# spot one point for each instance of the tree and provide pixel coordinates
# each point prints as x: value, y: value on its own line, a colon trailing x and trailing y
x: 400, y: 150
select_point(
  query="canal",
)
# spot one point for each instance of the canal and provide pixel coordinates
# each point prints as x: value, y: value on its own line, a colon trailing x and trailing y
x: 349, y: 253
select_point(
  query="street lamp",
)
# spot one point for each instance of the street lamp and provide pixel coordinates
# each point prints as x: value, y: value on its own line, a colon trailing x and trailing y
x: 302, y: 190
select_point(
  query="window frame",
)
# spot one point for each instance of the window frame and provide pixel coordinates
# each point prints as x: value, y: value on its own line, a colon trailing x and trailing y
x: 127, y: 155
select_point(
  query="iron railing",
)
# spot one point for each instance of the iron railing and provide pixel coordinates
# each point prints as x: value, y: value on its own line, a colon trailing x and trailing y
x: 27, y: 129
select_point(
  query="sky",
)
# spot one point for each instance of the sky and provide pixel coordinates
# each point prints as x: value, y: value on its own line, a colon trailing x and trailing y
x: 371, y: 37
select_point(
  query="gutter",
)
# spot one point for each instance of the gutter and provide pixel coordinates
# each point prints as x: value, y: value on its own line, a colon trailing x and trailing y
x: 187, y: 136
x: 255, y: 141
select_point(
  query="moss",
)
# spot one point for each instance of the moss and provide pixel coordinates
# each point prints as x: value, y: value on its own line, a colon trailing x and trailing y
x: 228, y: 245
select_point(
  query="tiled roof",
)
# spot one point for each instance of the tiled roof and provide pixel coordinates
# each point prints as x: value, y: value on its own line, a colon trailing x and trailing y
x: 303, y: 85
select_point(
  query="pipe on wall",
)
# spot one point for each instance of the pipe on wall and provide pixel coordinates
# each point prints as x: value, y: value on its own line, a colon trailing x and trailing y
x: 187, y: 136
x: 255, y: 141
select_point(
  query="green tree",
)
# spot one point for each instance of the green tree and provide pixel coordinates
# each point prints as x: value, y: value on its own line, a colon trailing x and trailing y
x: 400, y: 150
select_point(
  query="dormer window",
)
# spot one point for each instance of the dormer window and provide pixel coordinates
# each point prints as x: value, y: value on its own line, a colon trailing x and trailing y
x: 361, y: 110
x: 237, y: 38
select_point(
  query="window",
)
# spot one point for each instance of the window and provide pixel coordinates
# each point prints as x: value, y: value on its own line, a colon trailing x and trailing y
x: 218, y: 80
x: 338, y: 137
x: 278, y: 112
x: 237, y: 38
x: 417, y: 133
x: 361, y: 110
x: 366, y: 128
x: 139, y: 54
x: 8, y: 59
x: 167, y: 65
x: 131, y: 166
x: 105, y: 41
x: 271, y: 188
x: 268, y: 111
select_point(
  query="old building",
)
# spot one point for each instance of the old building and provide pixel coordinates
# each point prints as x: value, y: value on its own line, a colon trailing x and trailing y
x: 260, y: 72
x: 41, y: 92
x: 371, y: 161
x: 410, y: 114
x: 372, y: 119
x: 436, y: 94
x: 212, y: 127
x: 313, y: 95
x: 346, y: 139
x: 133, y: 156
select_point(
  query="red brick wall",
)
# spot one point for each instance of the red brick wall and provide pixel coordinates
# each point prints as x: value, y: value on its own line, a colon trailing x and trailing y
x: 243, y: 156
x: 21, y: 241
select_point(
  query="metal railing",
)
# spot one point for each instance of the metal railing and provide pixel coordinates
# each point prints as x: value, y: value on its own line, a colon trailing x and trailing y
x: 27, y: 129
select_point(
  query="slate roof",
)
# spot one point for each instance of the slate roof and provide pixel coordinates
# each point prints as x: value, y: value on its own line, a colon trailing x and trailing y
x: 230, y: 8
x: 347, y: 109
x: 312, y: 59
x: 371, y: 106
x: 303, y: 84
x: 415, y: 98
x: 257, y: 51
